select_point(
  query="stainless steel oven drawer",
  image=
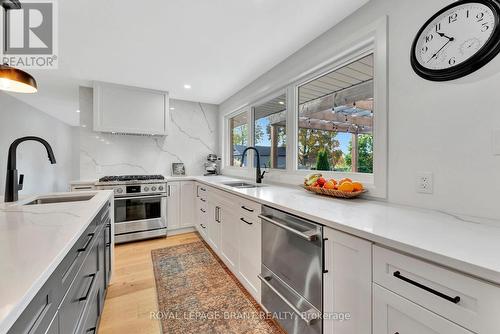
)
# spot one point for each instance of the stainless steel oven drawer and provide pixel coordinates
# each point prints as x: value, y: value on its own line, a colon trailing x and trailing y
x: 295, y: 314
x: 139, y: 226
x: 292, y: 248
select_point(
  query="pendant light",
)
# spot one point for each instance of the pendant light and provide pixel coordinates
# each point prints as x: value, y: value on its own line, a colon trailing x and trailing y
x: 16, y: 80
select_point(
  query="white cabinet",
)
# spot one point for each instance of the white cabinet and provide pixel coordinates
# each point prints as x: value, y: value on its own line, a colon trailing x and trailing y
x: 187, y: 204
x: 130, y: 110
x: 173, y: 205
x: 249, y: 231
x: 180, y: 205
x: 348, y: 283
x: 394, y: 314
x: 229, y: 238
x: 213, y: 224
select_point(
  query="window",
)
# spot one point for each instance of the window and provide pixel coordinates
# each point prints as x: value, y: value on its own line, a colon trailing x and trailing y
x: 335, y: 125
x: 270, y: 132
x: 238, y: 126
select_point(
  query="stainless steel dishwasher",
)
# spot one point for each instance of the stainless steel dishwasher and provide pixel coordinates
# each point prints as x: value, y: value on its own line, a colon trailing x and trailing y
x: 292, y: 271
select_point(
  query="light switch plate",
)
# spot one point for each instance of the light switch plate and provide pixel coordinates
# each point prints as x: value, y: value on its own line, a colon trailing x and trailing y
x: 425, y: 183
x: 495, y: 142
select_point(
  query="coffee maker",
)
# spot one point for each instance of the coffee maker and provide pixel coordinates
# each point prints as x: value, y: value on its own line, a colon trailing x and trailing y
x: 212, y: 166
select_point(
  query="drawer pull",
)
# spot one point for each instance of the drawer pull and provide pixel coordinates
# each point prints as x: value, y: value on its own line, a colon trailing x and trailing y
x: 454, y: 300
x: 245, y: 221
x: 203, y: 226
x: 203, y: 189
x: 245, y: 208
x: 81, y: 299
x: 90, y: 237
x: 91, y: 330
x: 202, y: 210
x: 203, y: 200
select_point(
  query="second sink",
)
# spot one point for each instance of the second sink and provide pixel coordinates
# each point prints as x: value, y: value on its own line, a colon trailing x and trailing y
x: 241, y: 185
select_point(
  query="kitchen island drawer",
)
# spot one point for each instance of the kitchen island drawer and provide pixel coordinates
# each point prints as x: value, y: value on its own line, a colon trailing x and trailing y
x: 79, y: 293
x: 467, y: 301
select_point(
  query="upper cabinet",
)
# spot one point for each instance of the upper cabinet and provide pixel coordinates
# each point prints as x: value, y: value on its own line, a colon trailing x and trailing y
x: 131, y: 110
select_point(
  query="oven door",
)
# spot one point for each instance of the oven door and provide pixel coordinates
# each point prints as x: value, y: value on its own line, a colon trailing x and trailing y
x: 140, y: 213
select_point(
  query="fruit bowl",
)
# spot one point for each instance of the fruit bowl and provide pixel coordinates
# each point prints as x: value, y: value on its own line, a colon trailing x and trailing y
x: 333, y: 192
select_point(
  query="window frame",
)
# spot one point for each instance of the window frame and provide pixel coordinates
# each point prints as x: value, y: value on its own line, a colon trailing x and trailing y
x: 228, y: 139
x: 370, y: 40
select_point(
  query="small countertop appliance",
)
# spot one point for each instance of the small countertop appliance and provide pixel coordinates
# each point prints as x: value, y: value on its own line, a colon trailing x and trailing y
x: 212, y: 166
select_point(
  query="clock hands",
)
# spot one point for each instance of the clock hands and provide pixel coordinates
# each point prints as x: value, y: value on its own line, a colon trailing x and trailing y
x: 450, y: 39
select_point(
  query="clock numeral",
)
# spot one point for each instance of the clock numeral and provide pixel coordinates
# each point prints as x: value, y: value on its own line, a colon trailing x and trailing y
x: 429, y: 38
x: 438, y: 27
x: 480, y: 17
x: 468, y: 12
x: 452, y: 18
x: 425, y: 48
x: 452, y: 61
x: 485, y: 26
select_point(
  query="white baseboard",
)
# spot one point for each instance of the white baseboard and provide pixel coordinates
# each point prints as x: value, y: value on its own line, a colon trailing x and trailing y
x: 180, y: 231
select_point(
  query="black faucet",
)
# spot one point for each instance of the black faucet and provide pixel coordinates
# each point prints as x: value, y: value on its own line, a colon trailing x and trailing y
x: 12, y: 186
x: 259, y: 176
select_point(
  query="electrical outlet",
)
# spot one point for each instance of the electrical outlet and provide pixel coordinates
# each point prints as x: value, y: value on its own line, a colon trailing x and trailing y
x: 425, y: 183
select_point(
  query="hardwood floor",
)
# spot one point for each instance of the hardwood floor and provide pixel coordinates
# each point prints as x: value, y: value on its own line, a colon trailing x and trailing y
x: 132, y: 294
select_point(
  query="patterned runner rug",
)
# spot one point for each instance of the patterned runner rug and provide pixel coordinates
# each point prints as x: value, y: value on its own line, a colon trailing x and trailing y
x: 198, y: 294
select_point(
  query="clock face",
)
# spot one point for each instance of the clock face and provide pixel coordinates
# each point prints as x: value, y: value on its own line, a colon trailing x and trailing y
x: 455, y: 35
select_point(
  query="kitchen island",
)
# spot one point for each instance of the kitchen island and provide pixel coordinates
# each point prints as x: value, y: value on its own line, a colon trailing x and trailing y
x: 43, y: 246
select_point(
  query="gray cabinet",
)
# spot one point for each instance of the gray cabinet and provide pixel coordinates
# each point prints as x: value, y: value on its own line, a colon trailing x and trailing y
x: 72, y: 299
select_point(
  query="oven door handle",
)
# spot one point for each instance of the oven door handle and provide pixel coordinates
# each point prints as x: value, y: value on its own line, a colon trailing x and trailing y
x: 139, y: 197
x: 310, y: 235
x: 303, y: 315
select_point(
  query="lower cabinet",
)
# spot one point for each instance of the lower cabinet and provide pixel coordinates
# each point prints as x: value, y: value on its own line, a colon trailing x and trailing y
x: 347, y: 283
x: 213, y: 223
x: 180, y: 203
x: 249, y: 231
x: 229, y: 238
x: 395, y: 314
x: 72, y: 299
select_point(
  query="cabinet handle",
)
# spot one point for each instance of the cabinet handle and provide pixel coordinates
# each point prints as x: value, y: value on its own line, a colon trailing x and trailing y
x: 245, y: 208
x: 203, y: 200
x: 245, y: 221
x: 454, y: 300
x: 168, y: 191
x: 203, y: 226
x: 90, y: 237
x: 91, y: 330
x: 325, y: 271
x: 203, y: 189
x: 202, y: 210
x: 81, y: 299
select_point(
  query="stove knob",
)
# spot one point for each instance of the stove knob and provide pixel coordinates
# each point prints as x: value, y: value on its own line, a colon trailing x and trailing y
x: 160, y: 188
x: 146, y: 188
x: 153, y: 188
x: 119, y: 190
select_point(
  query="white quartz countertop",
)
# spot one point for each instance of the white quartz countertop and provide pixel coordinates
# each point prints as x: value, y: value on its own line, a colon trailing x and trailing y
x: 465, y: 244
x: 34, y: 239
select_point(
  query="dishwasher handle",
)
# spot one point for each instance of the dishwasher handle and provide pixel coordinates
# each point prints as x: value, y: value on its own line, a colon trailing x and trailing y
x: 310, y: 235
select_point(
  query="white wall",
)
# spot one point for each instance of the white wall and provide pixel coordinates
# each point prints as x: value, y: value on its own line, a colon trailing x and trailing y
x: 18, y: 119
x: 192, y: 135
x: 444, y: 128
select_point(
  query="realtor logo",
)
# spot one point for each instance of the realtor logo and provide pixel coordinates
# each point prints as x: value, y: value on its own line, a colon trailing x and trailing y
x: 29, y: 35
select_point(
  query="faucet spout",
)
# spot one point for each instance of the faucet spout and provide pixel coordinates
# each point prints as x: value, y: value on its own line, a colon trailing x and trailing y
x: 258, y: 175
x: 12, y: 185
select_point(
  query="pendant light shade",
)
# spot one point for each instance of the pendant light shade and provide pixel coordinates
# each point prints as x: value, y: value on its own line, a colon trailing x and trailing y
x: 15, y: 80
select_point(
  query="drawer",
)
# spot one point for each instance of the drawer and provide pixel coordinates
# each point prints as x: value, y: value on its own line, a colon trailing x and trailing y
x: 469, y: 302
x: 202, y: 205
x: 73, y: 261
x: 79, y: 293
x: 201, y: 190
x: 88, y: 322
x: 249, y: 208
x: 395, y: 314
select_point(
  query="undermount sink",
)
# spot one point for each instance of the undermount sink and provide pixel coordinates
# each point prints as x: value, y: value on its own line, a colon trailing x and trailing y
x: 241, y: 185
x: 60, y: 199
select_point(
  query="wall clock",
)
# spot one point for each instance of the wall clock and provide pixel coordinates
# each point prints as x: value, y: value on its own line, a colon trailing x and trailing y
x: 457, y: 40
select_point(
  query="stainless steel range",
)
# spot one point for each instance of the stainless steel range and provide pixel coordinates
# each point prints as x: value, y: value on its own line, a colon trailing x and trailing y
x: 140, y: 205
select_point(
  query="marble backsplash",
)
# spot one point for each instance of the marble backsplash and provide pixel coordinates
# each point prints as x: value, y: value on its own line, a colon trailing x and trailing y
x: 192, y: 135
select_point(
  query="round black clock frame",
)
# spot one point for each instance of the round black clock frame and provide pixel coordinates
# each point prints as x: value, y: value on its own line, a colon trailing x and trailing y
x: 478, y: 60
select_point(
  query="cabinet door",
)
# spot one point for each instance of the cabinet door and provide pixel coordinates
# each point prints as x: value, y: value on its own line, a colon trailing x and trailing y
x: 395, y: 314
x: 213, y: 226
x: 250, y: 254
x: 229, y: 240
x: 347, y: 283
x: 173, y: 205
x: 187, y: 204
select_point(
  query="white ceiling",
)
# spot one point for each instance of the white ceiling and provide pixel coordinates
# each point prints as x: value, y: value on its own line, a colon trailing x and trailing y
x: 216, y: 46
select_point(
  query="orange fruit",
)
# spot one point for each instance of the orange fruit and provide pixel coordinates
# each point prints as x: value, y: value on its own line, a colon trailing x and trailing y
x: 329, y: 185
x: 346, y: 187
x: 333, y: 181
x: 345, y: 180
x: 358, y: 186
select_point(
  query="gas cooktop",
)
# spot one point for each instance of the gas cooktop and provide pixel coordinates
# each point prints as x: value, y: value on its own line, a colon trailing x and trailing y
x: 128, y: 178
